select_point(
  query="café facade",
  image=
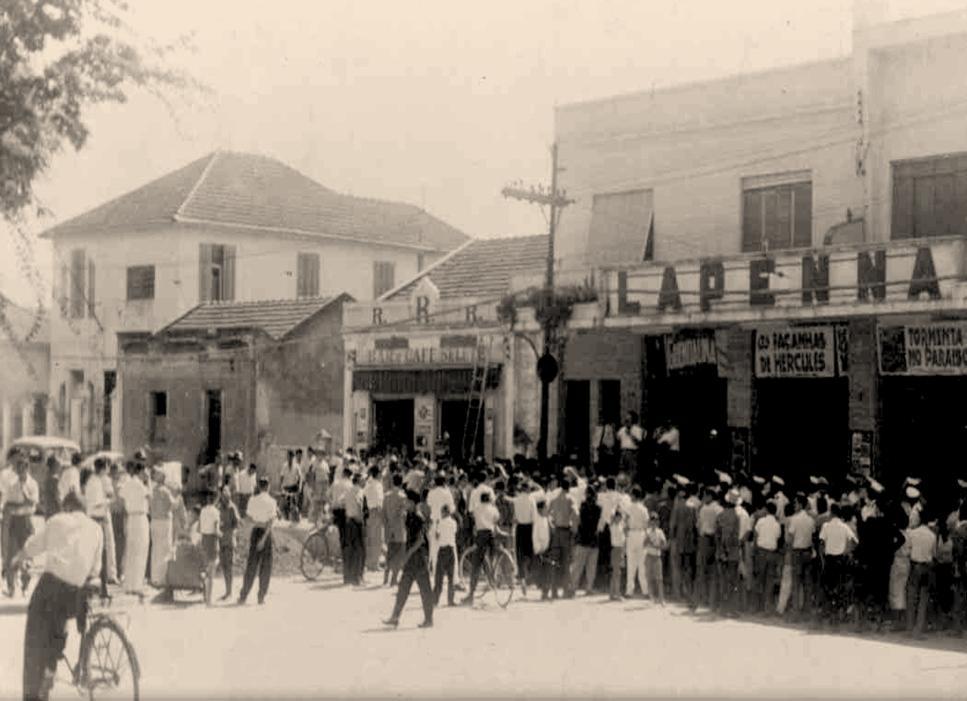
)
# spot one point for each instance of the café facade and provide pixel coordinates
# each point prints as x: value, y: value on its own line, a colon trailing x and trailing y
x: 431, y: 369
x: 811, y: 361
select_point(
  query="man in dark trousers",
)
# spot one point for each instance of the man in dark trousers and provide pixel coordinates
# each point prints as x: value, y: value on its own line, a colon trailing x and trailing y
x: 263, y: 511
x: 72, y: 543
x: 416, y: 567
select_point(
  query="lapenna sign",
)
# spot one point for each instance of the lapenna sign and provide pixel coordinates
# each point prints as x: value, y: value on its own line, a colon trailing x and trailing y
x: 791, y: 282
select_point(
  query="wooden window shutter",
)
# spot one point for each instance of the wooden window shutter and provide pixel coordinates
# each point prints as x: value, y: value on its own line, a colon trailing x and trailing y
x: 90, y: 289
x: 751, y: 221
x: 228, y: 274
x: 77, y: 291
x: 902, y: 205
x: 307, y: 284
x: 204, y: 272
x: 803, y: 215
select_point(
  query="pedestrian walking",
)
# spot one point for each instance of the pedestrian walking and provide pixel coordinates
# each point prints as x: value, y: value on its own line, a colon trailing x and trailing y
x: 263, y: 511
x: 485, y: 519
x: 416, y: 567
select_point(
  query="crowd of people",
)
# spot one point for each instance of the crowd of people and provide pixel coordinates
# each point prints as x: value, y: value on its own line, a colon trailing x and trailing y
x: 807, y: 548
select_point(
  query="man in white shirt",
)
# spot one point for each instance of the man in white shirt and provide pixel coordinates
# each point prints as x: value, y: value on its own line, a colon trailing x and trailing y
x: 134, y: 493
x: 72, y: 543
x: 373, y: 496
x: 630, y: 438
x: 525, y: 511
x: 485, y: 527
x: 246, y: 488
x: 923, y: 553
x: 445, y: 537
x: 263, y: 511
x: 95, y: 499
x: 837, y: 541
x: 21, y: 495
x: 767, y: 559
x: 800, y: 529
x: 636, y: 521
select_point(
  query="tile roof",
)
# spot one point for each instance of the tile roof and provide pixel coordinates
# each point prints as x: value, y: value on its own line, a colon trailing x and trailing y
x: 277, y: 317
x: 259, y: 192
x: 482, y: 267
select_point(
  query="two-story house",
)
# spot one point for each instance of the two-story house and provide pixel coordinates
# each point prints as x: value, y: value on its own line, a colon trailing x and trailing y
x: 781, y: 257
x: 227, y: 227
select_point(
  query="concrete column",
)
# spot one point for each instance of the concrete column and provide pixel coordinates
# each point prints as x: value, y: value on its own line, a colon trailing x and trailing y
x: 116, y: 418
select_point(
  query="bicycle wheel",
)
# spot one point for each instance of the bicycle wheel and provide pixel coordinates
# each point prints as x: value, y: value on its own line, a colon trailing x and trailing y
x: 314, y: 556
x: 466, y: 565
x: 502, y: 574
x: 109, y: 665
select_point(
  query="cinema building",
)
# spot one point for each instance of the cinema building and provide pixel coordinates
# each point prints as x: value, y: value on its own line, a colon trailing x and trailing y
x: 781, y: 258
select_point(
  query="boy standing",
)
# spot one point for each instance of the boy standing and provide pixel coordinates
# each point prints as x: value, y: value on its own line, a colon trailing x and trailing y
x: 445, y: 537
x: 228, y: 520
x: 655, y: 543
x: 208, y: 529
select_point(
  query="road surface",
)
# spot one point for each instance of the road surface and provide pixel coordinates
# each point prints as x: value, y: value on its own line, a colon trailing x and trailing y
x: 325, y: 640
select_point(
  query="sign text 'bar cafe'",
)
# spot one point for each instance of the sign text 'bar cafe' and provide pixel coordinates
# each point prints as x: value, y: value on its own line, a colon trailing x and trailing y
x: 857, y: 277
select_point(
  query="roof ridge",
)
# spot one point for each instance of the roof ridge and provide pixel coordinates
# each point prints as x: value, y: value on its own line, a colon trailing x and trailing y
x: 286, y: 300
x: 426, y: 271
x: 197, y: 185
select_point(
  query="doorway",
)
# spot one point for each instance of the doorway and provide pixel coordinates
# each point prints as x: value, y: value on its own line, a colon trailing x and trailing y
x: 454, y: 423
x: 802, y: 427
x: 393, y: 425
x: 577, y: 420
x: 213, y: 404
x: 923, y: 428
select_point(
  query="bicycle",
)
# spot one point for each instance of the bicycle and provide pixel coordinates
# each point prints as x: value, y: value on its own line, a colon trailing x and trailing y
x: 320, y: 550
x: 500, y: 573
x: 100, y: 672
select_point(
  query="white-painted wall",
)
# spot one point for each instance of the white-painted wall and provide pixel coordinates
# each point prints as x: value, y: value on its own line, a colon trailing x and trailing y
x: 265, y: 268
x: 692, y: 145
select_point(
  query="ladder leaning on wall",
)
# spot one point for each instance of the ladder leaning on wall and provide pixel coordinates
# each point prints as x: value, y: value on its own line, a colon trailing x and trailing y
x: 475, y: 398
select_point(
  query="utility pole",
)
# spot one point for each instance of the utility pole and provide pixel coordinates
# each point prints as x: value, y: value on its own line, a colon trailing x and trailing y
x: 547, y: 366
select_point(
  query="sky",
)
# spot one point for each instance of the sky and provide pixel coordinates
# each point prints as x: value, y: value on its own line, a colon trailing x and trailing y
x: 439, y: 103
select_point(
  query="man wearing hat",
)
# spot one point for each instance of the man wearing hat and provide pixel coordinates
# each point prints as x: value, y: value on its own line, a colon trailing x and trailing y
x: 20, y: 497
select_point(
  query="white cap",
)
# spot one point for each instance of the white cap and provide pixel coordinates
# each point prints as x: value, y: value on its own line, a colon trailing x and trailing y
x: 912, y: 493
x: 876, y: 486
x: 778, y: 480
x: 914, y: 481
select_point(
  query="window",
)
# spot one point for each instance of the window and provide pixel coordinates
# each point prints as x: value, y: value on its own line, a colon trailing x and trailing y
x: 777, y: 212
x: 77, y: 293
x: 622, y: 228
x: 383, y: 277
x: 157, y: 416
x: 216, y: 273
x: 140, y: 282
x: 307, y: 277
x: 930, y: 197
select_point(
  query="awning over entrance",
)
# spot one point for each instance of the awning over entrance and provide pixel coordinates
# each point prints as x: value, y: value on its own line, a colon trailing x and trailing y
x: 421, y: 381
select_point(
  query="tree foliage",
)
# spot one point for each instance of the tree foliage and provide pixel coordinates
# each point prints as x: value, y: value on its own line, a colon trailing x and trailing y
x: 57, y: 58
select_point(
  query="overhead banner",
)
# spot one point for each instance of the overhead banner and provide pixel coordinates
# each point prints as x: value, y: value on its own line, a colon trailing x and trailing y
x: 797, y: 351
x: 924, y: 349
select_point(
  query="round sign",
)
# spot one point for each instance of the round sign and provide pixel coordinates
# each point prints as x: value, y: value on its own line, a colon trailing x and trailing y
x: 547, y: 368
